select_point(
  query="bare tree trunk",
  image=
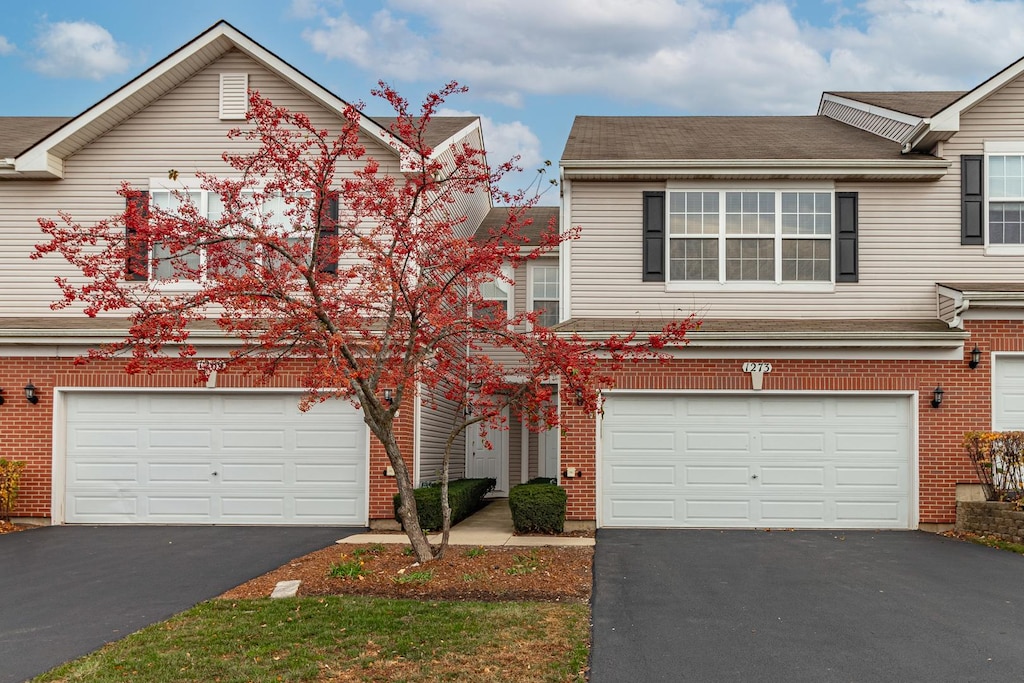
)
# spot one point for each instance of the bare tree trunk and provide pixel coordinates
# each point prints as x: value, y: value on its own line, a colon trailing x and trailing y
x: 446, y: 509
x: 407, y: 508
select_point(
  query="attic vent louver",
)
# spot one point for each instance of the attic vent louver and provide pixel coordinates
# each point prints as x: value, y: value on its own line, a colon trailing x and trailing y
x: 234, y: 96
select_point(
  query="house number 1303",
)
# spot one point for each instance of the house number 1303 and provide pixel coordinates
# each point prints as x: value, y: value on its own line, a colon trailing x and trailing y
x: 757, y: 367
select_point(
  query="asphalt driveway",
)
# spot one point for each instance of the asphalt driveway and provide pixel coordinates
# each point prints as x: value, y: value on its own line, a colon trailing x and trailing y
x: 699, y: 605
x: 67, y: 590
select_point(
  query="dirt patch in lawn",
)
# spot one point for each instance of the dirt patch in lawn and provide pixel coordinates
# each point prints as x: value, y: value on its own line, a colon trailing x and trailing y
x: 550, y: 573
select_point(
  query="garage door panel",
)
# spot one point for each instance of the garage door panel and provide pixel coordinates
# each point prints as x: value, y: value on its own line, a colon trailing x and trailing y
x: 267, y: 455
x: 179, y: 440
x: 645, y: 409
x: 180, y: 406
x: 701, y: 440
x: 178, y: 508
x: 246, y: 406
x: 878, y: 476
x: 326, y: 474
x: 651, y: 511
x: 252, y: 507
x: 870, y: 444
x: 722, y: 408
x: 785, y: 512
x: 90, y: 472
x: 870, y: 513
x: 645, y: 441
x: 105, y: 439
x: 781, y: 475
x: 717, y: 512
x: 823, y: 461
x: 794, y: 409
x: 717, y: 475
x: 792, y: 442
x: 651, y: 475
x: 178, y: 473
x: 105, y: 508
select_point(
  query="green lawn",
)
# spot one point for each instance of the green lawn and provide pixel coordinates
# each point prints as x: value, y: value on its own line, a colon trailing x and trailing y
x: 348, y: 638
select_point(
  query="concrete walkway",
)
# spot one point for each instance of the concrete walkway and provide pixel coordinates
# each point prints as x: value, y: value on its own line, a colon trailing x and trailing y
x: 489, y: 526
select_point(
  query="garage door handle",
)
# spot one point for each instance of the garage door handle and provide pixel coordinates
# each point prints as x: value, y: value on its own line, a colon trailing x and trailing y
x: 754, y: 476
x: 215, y: 474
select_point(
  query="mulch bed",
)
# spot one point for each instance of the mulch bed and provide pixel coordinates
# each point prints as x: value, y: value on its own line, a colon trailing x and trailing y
x: 549, y: 573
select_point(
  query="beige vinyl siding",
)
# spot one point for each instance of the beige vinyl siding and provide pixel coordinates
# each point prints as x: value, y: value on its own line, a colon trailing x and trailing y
x: 473, y: 206
x: 180, y: 131
x: 435, y: 426
x: 909, y: 239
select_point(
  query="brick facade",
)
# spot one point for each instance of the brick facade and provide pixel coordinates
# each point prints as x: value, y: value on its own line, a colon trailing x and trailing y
x: 942, y: 462
x: 26, y: 430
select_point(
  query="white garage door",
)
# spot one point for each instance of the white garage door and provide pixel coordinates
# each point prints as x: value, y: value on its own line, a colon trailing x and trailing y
x: 782, y: 461
x: 212, y: 458
x: 1008, y: 392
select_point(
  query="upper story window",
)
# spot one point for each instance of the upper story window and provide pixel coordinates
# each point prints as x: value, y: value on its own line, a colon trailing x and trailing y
x: 750, y: 236
x: 1005, y: 199
x: 497, y: 295
x: 544, y: 293
x: 277, y: 210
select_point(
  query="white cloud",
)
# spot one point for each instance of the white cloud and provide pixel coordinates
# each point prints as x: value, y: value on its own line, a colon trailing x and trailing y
x: 79, y: 49
x: 6, y: 46
x: 505, y: 140
x: 688, y: 56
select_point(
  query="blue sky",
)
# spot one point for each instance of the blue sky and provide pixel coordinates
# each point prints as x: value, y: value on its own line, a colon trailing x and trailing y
x: 531, y: 65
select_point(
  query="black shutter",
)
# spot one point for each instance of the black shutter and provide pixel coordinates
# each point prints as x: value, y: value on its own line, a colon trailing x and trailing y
x: 327, y: 259
x: 136, y: 265
x: 972, y: 196
x: 654, y: 236
x: 846, y: 237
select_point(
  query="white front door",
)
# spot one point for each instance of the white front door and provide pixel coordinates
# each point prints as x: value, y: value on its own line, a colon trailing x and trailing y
x: 488, y: 455
x: 547, y: 447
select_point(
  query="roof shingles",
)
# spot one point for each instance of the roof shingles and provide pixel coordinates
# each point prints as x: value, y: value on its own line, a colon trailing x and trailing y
x: 652, y: 138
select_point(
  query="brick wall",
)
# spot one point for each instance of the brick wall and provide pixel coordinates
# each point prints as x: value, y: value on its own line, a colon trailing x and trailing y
x: 942, y: 462
x: 26, y: 429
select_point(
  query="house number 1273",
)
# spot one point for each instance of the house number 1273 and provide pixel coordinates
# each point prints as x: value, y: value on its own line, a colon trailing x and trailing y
x: 757, y: 367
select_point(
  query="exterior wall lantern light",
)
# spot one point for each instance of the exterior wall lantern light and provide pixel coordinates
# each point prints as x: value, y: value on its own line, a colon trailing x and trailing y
x: 1, y: 396
x: 30, y: 393
x: 975, y: 357
x: 389, y: 396
x: 937, y: 397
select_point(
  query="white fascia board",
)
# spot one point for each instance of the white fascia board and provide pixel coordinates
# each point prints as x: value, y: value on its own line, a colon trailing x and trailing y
x: 446, y: 144
x: 915, y: 169
x: 870, y: 109
x: 948, y: 120
x: 38, y: 160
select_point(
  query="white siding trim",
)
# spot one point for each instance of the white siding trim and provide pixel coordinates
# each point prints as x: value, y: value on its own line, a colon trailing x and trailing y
x: 565, y: 250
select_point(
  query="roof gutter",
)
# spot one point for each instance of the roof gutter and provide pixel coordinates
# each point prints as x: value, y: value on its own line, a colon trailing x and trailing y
x: 825, y: 168
x: 824, y: 338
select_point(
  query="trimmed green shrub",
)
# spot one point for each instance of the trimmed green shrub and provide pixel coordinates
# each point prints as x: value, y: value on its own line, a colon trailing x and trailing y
x: 537, y: 508
x: 542, y: 480
x: 465, y: 496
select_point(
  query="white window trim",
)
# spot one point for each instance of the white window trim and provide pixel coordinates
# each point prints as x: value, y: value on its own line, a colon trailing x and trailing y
x: 530, y: 270
x: 750, y: 285
x: 998, y: 148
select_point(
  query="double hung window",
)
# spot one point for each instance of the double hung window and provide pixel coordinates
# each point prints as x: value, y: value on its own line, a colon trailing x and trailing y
x: 751, y: 236
x: 544, y: 293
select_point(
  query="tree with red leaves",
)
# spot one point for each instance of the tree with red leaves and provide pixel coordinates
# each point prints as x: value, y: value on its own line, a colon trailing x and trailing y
x: 371, y: 278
